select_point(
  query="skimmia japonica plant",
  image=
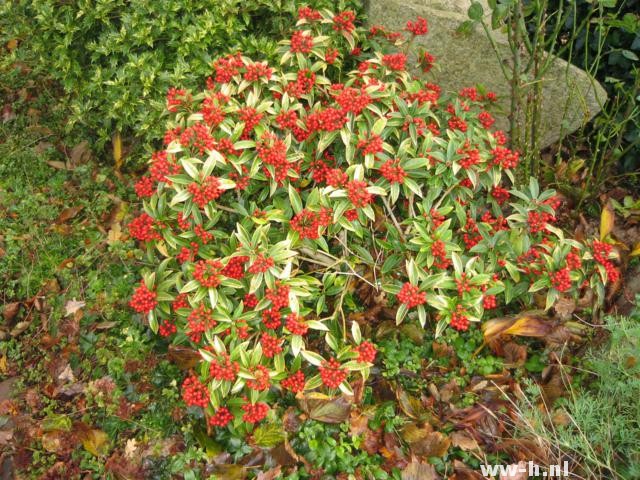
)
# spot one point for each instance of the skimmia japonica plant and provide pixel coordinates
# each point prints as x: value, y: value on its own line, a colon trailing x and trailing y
x: 284, y: 190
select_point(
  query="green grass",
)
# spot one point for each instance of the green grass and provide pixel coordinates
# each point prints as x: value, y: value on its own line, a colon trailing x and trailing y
x: 597, y: 424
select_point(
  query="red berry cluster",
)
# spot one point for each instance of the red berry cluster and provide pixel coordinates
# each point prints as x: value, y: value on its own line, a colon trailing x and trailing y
x: 336, y: 178
x: 393, y: 172
x: 143, y: 299
x: 351, y: 215
x: 500, y: 194
x: 294, y: 382
x: 358, y: 193
x: 273, y: 151
x: 175, y: 98
x: 353, y: 100
x: 301, y: 42
x: 459, y: 320
x: 235, y: 267
x: 254, y: 412
x: 472, y: 236
x: 272, y: 318
x: 194, y: 392
x: 419, y: 27
x: 471, y: 157
x: 307, y: 224
x: 251, y: 117
x: 327, y: 120
x: 439, y: 251
x: 486, y: 119
x: 261, y: 381
x: 411, y: 295
x: 426, y: 62
x: 395, y: 61
x: 371, y: 144
x: 167, y: 328
x: 561, y: 280
x: 296, y: 325
x: 207, y: 192
x: 574, y: 261
x: 258, y: 70
x: 227, y: 67
x: 199, y: 321
x: 180, y: 302
x: 145, y: 187
x: 212, y: 113
x: 278, y: 296
x: 143, y: 228
x: 366, y: 352
x: 537, y: 222
x: 505, y: 157
x: 161, y: 167
x: 305, y: 80
x: 221, y: 418
x: 489, y: 302
x: 308, y: 13
x: 208, y: 273
x: 344, y: 21
x: 332, y: 373
x: 601, y: 252
x: 462, y: 285
x: 331, y: 55
x: 261, y: 264
x: 224, y: 368
x: 197, y: 136
x: 456, y: 123
x: 270, y: 345
x: 250, y: 300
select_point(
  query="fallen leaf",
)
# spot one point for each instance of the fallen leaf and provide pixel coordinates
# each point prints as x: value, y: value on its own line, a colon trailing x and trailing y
x: 12, y: 44
x: 429, y: 444
x: 80, y: 154
x: 95, y: 442
x: 117, y: 150
x: 185, y: 358
x: 324, y: 408
x: 115, y: 234
x: 53, y: 441
x: 5, y: 437
x: 58, y: 165
x: 411, y: 406
x: 68, y: 213
x: 72, y: 306
x: 464, y: 441
x: 228, y: 472
x: 268, y: 435
x: 564, y: 307
x: 130, y: 448
x: 56, y: 421
x: 270, y: 474
x: 514, y: 354
x: 607, y: 219
x: 417, y: 470
x: 10, y: 311
x: 526, y: 325
x: 66, y: 376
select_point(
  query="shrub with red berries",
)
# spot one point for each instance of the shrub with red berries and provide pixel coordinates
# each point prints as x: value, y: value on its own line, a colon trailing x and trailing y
x: 280, y: 193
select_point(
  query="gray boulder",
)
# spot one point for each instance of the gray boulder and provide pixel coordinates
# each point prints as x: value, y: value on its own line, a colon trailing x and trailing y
x: 571, y: 97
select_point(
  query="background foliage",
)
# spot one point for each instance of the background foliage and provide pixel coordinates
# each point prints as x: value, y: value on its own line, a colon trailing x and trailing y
x: 116, y: 59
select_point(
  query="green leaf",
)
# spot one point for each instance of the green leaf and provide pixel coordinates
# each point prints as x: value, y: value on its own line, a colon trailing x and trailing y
x: 475, y: 11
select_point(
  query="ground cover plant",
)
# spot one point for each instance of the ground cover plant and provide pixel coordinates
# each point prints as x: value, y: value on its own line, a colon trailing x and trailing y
x: 281, y: 193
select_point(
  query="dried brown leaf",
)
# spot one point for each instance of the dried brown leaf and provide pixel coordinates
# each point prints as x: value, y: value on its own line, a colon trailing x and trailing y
x: 324, y: 408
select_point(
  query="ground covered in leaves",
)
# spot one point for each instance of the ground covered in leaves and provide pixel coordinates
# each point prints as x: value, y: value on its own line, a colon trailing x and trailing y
x: 87, y: 391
